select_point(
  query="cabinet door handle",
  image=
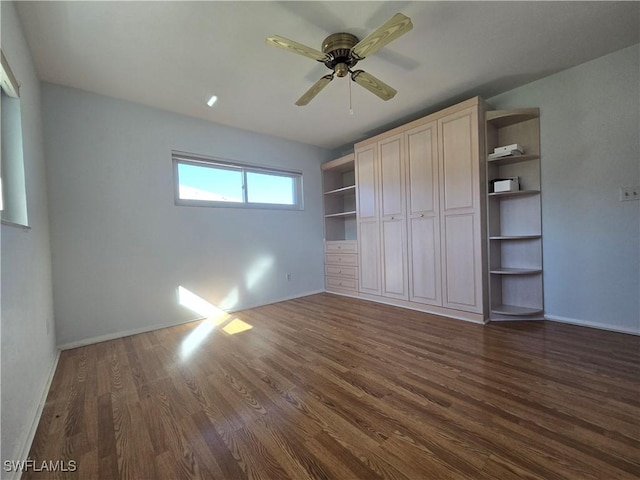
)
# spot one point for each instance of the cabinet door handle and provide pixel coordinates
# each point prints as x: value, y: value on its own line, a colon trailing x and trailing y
x: 421, y: 215
x: 393, y: 218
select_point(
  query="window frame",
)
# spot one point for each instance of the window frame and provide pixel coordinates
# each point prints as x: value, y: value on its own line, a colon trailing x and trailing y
x: 14, y: 208
x: 179, y: 158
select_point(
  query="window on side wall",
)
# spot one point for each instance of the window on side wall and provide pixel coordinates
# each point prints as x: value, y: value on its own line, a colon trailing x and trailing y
x: 13, y: 195
x: 212, y: 182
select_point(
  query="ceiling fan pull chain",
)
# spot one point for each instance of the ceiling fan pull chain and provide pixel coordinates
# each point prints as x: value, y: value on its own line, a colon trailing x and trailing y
x: 350, y: 104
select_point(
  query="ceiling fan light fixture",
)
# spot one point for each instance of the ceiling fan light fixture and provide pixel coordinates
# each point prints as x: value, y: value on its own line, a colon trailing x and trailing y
x: 341, y: 69
x: 342, y: 51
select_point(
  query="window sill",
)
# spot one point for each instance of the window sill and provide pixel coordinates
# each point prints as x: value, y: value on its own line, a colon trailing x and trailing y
x: 26, y: 228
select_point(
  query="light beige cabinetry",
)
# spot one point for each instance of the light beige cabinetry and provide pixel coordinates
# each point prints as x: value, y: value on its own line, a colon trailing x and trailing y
x: 421, y: 216
x: 514, y: 217
x: 368, y: 219
x: 341, y: 247
x: 393, y: 223
x: 341, y: 266
x: 461, y: 210
x: 423, y: 210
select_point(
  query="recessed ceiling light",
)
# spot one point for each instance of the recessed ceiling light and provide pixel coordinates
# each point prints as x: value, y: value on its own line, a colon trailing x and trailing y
x: 212, y: 100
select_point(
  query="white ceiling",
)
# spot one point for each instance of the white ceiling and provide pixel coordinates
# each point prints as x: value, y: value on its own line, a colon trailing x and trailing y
x: 175, y: 55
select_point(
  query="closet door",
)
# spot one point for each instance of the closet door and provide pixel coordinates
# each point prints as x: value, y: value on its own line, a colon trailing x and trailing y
x: 460, y: 210
x: 423, y: 210
x: 368, y: 219
x: 393, y: 218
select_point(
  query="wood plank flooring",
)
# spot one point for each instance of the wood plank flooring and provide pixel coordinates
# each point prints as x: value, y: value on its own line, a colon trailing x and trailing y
x: 328, y: 387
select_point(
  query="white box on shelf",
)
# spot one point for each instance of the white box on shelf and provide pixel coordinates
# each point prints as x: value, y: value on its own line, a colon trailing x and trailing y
x: 508, y: 148
x: 510, y: 153
x: 506, y: 185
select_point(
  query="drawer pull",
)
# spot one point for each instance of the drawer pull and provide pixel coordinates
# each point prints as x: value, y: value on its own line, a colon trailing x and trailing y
x: 421, y: 215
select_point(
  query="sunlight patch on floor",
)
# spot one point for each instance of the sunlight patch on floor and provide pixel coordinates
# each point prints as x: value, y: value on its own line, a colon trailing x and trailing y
x: 236, y: 326
x: 214, y: 317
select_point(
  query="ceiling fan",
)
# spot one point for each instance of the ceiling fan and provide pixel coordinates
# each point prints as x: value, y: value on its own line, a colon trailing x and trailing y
x: 342, y: 51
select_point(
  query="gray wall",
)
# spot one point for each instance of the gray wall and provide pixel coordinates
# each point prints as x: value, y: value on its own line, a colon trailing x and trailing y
x: 28, y: 343
x: 121, y: 247
x: 589, y: 121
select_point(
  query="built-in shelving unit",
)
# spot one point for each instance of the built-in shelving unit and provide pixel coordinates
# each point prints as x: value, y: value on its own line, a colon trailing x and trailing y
x: 340, y: 230
x: 514, y: 217
x: 339, y: 186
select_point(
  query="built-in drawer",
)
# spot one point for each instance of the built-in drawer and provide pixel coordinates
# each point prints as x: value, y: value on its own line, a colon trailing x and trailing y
x: 341, y: 271
x: 336, y: 282
x: 341, y: 246
x: 341, y: 259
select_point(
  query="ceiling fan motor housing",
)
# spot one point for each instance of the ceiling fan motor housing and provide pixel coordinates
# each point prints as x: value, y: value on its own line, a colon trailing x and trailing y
x: 337, y: 47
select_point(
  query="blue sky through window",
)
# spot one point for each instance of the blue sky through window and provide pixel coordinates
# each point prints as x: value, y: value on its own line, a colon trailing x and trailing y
x: 207, y: 183
x: 211, y: 183
x: 266, y: 188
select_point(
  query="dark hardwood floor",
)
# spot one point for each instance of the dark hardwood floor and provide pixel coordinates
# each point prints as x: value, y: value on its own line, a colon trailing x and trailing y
x: 335, y: 388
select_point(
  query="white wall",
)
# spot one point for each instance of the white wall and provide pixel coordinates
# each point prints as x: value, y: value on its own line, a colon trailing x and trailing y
x: 28, y: 343
x: 590, y: 124
x: 121, y: 247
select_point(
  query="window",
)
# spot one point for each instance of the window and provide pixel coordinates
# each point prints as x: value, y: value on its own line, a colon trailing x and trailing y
x: 221, y: 183
x: 13, y: 197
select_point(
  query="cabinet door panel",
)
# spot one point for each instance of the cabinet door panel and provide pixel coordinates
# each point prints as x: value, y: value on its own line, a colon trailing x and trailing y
x: 424, y: 243
x: 366, y: 182
x: 460, y: 161
x: 391, y: 177
x: 422, y: 156
x: 369, y: 258
x: 461, y: 277
x: 394, y: 259
x: 425, y: 284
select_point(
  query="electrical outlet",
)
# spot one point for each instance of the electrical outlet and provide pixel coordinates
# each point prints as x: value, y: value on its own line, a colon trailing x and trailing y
x: 629, y: 193
x: 288, y: 277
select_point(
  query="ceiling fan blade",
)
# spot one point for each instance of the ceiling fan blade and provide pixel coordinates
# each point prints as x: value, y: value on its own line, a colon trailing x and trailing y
x: 296, y: 47
x: 396, y: 26
x: 375, y: 86
x: 314, y: 90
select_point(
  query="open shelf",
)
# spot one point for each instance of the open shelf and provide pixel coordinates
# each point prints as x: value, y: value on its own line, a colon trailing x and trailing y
x: 515, y: 271
x: 514, y: 193
x: 350, y: 189
x: 515, y: 310
x: 515, y: 237
x: 505, y: 118
x: 512, y: 159
x: 340, y: 214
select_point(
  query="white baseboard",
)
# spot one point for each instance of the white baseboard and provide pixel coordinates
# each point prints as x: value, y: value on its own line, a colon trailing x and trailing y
x: 271, y: 302
x: 126, y: 333
x: 151, y: 328
x: 434, y: 310
x: 598, y: 325
x: 25, y: 445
